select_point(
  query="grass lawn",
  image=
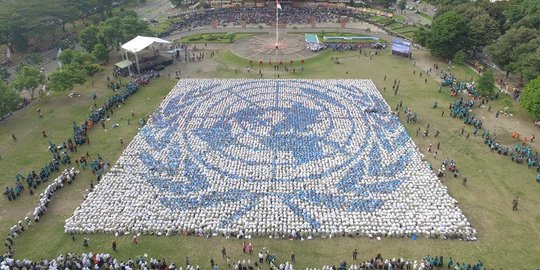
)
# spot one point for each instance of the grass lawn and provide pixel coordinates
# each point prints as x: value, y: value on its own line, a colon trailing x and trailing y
x: 213, y: 38
x: 406, y: 29
x: 426, y: 16
x: 398, y: 16
x: 506, y: 237
x: 321, y: 36
x: 160, y: 27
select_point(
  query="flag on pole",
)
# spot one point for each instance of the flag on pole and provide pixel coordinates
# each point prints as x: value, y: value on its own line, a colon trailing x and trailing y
x: 278, y: 5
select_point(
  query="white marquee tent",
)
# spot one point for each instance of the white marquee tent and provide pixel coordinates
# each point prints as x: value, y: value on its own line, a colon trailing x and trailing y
x: 138, y: 44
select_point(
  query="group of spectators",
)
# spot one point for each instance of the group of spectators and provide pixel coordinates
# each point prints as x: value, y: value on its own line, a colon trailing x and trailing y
x: 96, y: 261
x: 85, y: 261
x: 260, y: 15
x: 33, y: 179
x: 66, y: 177
x: 522, y: 153
x: 61, y: 152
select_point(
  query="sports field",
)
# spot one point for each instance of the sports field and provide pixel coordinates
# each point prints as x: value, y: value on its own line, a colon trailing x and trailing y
x: 506, y: 238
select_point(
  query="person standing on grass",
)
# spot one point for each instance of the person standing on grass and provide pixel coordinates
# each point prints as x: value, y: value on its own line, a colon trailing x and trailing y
x: 354, y: 254
x: 114, y: 245
x: 250, y: 248
x: 223, y: 253
x: 450, y: 263
x: 515, y: 204
x: 261, y: 257
x: 244, y: 247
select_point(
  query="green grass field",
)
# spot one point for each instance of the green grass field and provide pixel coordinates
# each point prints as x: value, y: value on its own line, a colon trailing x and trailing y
x: 506, y: 238
x: 323, y: 34
x: 427, y: 17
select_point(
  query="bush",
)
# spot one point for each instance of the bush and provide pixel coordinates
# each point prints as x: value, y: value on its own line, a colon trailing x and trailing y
x: 460, y: 58
x: 195, y: 38
x: 530, y: 97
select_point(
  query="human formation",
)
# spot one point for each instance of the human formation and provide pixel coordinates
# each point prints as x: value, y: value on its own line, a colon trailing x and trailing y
x: 306, y: 158
x: 66, y: 177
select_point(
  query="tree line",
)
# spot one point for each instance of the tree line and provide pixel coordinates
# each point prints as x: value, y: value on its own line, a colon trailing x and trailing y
x: 21, y: 21
x: 509, y: 30
x: 77, y: 65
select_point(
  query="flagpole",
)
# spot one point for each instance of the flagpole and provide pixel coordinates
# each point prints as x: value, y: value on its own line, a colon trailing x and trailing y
x: 277, y: 25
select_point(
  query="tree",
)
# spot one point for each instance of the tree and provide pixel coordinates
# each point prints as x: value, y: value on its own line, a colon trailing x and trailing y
x: 28, y: 78
x: 100, y: 52
x: 231, y: 36
x: 121, y: 28
x: 176, y: 3
x: 486, y: 83
x: 523, y: 13
x: 4, y: 74
x: 9, y: 99
x: 530, y: 97
x: 460, y: 57
x: 33, y: 59
x: 421, y: 36
x: 66, y: 56
x: 88, y: 38
x: 515, y: 43
x: 483, y: 30
x: 65, y: 78
x: 79, y: 58
x: 402, y: 4
x: 496, y: 11
x: 91, y: 69
x: 528, y: 64
x: 448, y: 35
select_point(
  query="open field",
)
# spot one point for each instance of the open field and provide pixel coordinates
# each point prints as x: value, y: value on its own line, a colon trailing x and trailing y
x: 506, y: 238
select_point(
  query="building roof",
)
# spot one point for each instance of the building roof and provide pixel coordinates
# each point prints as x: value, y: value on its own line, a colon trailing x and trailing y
x: 140, y: 43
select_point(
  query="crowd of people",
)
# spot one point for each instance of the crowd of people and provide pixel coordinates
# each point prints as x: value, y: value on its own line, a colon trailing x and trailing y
x: 461, y: 108
x: 260, y: 15
x: 264, y: 260
x: 61, y: 157
x: 61, y: 152
x: 162, y: 156
x: 67, y: 177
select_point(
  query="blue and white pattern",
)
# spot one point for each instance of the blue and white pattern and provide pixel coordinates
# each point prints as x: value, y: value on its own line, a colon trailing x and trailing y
x: 269, y: 157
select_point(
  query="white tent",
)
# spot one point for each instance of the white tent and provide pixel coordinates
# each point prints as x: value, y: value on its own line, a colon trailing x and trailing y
x: 138, y: 44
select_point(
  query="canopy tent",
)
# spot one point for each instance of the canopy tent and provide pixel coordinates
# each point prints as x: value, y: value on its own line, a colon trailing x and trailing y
x: 124, y: 64
x: 138, y: 44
